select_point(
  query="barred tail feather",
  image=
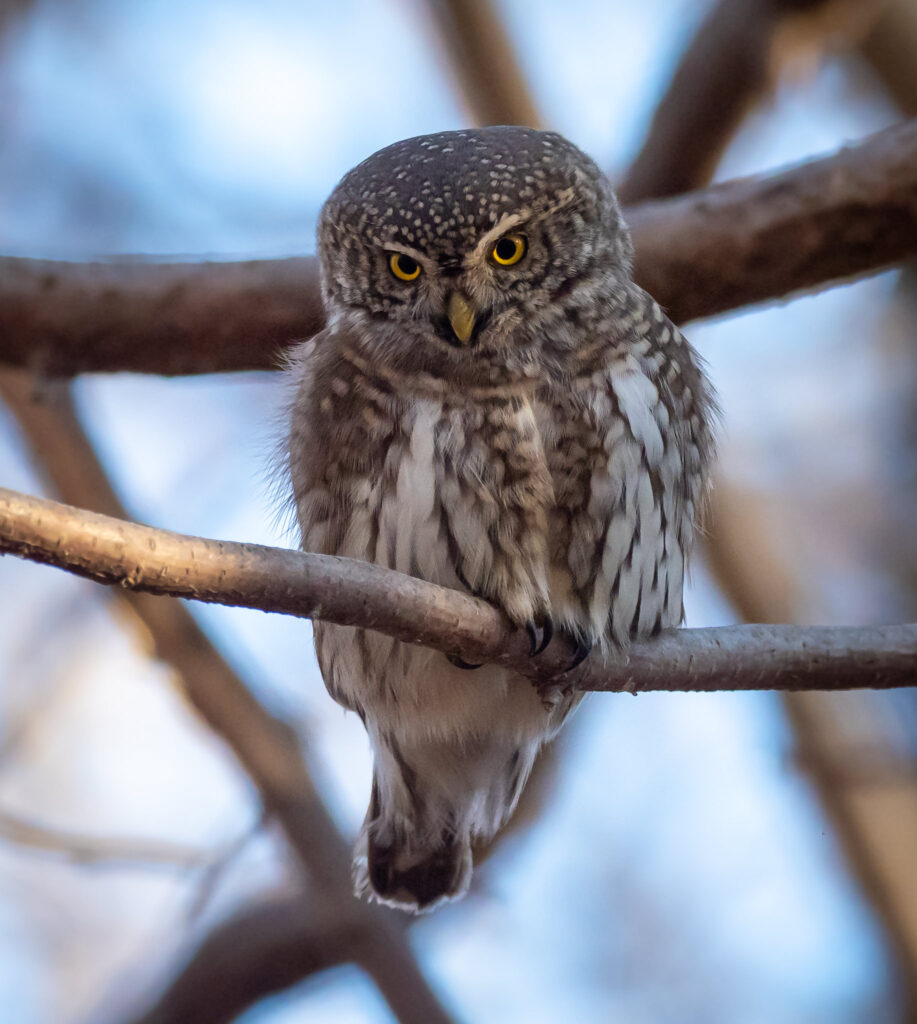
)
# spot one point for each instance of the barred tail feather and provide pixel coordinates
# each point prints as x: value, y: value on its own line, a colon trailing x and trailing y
x: 425, y: 813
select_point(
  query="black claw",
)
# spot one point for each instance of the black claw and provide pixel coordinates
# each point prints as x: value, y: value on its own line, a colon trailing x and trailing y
x: 454, y: 659
x: 547, y: 634
x: 583, y: 648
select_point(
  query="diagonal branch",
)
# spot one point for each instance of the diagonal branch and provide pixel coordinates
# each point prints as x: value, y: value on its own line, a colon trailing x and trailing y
x: 483, y: 62
x: 81, y: 848
x: 701, y: 254
x: 356, y: 593
x: 728, y: 67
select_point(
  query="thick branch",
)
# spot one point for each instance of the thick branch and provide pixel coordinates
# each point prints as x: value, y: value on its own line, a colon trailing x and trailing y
x: 701, y: 254
x: 60, y: 319
x: 760, y: 238
x: 350, y: 592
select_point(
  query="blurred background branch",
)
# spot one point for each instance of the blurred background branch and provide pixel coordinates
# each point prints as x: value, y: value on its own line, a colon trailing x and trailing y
x: 704, y: 253
x: 260, y: 949
x: 483, y: 62
x: 107, y: 849
x: 730, y: 65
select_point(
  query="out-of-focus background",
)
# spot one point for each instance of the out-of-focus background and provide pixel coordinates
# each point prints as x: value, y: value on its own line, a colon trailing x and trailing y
x: 711, y: 858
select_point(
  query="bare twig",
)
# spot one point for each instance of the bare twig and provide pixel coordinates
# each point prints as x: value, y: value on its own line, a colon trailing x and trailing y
x: 107, y: 850
x: 701, y: 254
x: 351, y: 592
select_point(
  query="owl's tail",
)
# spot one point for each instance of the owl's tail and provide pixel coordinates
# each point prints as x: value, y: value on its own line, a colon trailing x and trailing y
x: 411, y: 875
x: 414, y: 852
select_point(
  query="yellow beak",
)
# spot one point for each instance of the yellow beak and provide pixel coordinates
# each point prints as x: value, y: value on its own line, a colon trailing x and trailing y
x: 461, y: 315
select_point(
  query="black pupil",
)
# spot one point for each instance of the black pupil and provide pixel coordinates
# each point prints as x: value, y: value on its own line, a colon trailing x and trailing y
x: 506, y: 249
x: 406, y: 265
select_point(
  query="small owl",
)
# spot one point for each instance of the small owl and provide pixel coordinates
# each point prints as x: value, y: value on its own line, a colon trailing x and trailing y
x: 494, y: 406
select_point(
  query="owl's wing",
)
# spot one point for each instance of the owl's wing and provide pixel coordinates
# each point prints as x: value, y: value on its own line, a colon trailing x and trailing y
x: 628, y: 447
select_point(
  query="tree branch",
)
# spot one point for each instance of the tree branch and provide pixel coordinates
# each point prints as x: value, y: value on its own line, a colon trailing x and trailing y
x: 701, y: 254
x: 108, y: 850
x: 259, y: 950
x: 483, y: 62
x: 356, y: 593
x: 760, y: 238
x: 725, y: 70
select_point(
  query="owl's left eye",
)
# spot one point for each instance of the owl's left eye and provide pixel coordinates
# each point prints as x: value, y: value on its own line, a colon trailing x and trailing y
x: 508, y: 250
x: 403, y: 267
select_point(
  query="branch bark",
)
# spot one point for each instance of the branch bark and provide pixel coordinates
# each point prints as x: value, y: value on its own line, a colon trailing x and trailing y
x: 760, y: 238
x: 701, y: 254
x: 356, y: 593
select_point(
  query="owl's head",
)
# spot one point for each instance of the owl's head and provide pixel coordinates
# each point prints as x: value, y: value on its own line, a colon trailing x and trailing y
x: 459, y: 252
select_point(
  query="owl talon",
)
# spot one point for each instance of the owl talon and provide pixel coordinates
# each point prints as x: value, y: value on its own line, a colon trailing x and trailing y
x: 583, y: 650
x: 547, y: 634
x: 454, y: 659
x: 582, y: 647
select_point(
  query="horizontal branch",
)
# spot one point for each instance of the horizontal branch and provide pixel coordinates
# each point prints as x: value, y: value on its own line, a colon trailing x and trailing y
x: 355, y: 593
x: 81, y: 848
x: 700, y: 254
x: 755, y: 239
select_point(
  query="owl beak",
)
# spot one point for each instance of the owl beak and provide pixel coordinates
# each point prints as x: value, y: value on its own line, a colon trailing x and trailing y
x: 461, y: 316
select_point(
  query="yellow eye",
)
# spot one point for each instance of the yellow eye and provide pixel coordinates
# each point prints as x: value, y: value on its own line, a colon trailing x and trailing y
x: 403, y: 267
x: 508, y: 250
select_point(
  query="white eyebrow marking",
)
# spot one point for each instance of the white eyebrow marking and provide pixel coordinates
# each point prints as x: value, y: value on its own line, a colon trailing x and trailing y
x: 407, y: 250
x: 497, y: 231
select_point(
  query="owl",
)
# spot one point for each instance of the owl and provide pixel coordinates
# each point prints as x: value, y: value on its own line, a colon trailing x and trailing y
x: 493, y: 406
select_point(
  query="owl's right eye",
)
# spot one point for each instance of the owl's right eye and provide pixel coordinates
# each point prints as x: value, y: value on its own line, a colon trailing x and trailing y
x: 403, y: 267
